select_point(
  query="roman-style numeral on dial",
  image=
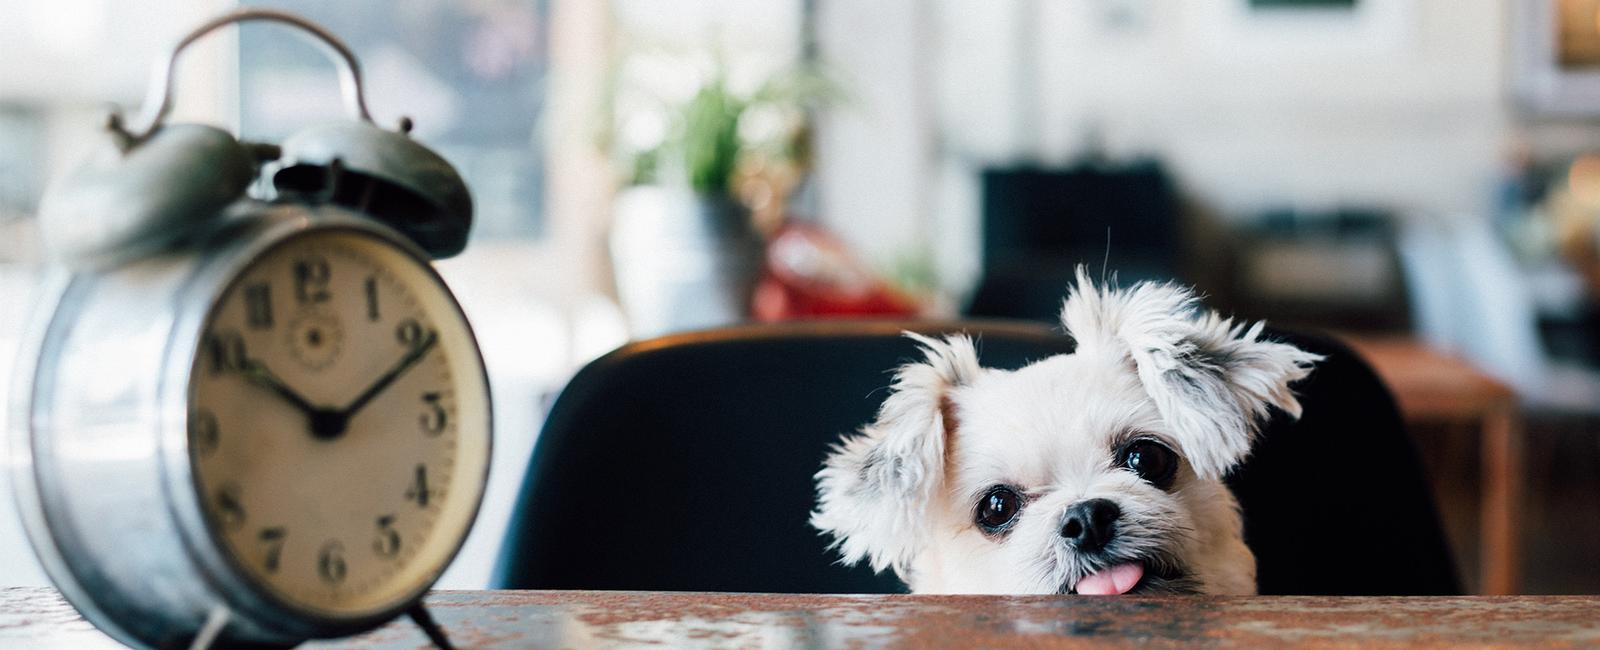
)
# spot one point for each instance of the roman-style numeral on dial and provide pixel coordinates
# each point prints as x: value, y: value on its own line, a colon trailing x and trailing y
x: 330, y: 562
x: 226, y: 351
x: 409, y: 333
x: 273, y: 539
x: 258, y: 305
x: 387, y: 544
x: 204, y: 434
x: 230, y: 512
x: 418, y: 490
x: 435, y: 417
x: 311, y: 280
x: 372, y: 298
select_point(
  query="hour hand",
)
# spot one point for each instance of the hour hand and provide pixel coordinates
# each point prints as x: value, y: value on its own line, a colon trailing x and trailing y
x: 260, y: 375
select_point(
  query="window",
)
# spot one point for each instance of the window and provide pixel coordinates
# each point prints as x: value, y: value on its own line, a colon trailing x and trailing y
x: 469, y: 74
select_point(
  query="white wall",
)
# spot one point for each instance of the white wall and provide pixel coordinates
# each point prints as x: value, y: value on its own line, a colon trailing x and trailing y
x: 875, y: 150
x: 1399, y: 105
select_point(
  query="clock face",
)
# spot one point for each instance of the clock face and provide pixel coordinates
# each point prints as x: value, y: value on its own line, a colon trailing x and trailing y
x: 338, y: 424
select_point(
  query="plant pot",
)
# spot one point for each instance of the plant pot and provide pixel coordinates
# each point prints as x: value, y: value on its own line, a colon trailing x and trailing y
x: 683, y: 261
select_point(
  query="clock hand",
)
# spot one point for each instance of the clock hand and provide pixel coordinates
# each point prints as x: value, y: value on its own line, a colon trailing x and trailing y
x: 258, y: 374
x: 394, y: 373
x: 324, y: 422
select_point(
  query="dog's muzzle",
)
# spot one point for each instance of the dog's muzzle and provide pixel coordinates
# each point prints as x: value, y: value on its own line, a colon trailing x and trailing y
x: 1089, y: 525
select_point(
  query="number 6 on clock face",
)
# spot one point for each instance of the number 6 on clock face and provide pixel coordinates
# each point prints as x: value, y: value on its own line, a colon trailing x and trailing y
x: 338, y: 427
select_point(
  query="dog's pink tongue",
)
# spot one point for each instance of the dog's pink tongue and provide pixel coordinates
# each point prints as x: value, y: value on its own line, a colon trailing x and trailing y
x: 1112, y: 581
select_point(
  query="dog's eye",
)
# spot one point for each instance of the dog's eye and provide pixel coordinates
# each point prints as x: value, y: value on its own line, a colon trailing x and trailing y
x: 998, y: 507
x: 1152, y: 461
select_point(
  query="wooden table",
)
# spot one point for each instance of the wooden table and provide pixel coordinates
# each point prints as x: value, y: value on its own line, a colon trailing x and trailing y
x: 1433, y: 387
x: 38, y: 618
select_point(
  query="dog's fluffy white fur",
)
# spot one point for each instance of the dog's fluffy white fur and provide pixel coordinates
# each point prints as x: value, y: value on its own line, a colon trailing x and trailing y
x: 903, y: 493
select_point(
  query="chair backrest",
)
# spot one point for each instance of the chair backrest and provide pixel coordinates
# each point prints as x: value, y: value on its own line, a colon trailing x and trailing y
x: 686, y: 463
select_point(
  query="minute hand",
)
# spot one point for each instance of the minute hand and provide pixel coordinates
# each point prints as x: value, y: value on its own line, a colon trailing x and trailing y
x: 394, y: 373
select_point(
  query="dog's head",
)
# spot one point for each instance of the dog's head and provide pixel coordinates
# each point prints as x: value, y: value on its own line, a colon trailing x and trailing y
x: 1093, y: 472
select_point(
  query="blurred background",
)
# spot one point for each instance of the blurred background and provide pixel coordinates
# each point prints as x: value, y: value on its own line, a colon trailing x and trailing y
x: 1421, y: 177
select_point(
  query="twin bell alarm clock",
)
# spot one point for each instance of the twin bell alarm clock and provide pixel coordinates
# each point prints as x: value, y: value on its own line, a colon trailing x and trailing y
x: 249, y: 412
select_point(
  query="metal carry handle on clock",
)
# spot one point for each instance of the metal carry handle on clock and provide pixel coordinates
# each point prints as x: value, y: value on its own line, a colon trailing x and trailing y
x: 158, y: 101
x: 384, y: 174
x: 146, y: 188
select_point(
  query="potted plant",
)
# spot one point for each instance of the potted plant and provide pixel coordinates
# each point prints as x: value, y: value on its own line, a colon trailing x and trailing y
x: 685, y: 248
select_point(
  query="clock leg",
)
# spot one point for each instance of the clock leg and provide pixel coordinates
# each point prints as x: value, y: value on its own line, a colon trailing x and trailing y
x: 215, y: 622
x: 419, y: 614
x: 211, y: 634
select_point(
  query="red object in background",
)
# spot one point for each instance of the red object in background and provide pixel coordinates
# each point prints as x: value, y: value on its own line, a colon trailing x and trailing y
x: 808, y: 273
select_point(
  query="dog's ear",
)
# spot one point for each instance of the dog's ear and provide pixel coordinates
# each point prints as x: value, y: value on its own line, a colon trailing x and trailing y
x: 875, y: 486
x: 1212, y: 380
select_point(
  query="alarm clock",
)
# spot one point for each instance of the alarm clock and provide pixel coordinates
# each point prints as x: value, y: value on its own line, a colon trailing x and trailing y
x: 250, y: 416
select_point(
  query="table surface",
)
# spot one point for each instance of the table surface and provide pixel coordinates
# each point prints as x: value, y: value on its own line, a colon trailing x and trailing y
x: 39, y: 618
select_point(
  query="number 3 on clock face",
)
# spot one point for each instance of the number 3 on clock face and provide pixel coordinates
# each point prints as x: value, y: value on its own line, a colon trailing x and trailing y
x: 338, y: 424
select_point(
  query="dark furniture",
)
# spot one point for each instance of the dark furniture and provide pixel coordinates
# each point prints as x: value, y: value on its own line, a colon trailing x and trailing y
x: 1040, y: 223
x: 686, y: 462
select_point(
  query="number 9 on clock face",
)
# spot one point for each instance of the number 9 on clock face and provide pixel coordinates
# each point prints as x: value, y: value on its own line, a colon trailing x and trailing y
x: 338, y: 424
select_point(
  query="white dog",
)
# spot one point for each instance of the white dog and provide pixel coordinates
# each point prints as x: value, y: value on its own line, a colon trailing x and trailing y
x: 1097, y: 472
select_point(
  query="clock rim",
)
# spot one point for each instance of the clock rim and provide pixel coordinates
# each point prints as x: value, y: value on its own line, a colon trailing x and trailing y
x: 204, y: 290
x: 51, y: 542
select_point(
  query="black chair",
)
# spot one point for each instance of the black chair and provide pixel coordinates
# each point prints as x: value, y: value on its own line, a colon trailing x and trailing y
x: 686, y: 462
x: 1041, y: 223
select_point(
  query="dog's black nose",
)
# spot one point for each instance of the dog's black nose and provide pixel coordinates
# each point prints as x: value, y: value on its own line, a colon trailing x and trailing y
x: 1090, y: 524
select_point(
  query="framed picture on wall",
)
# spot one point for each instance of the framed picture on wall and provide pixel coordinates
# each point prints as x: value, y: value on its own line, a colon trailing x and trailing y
x: 1303, y: 4
x: 1556, y: 56
x: 1247, y: 30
